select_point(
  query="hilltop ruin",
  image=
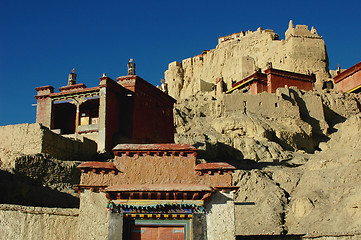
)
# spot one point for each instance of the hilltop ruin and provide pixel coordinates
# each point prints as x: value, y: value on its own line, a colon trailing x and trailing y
x: 241, y: 54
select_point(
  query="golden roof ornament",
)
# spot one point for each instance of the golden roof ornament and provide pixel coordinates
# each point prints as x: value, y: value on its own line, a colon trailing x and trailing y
x: 72, y: 77
x: 131, y: 67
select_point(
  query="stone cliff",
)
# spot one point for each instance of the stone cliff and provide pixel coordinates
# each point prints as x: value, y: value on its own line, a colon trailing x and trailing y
x: 238, y: 55
x: 297, y: 154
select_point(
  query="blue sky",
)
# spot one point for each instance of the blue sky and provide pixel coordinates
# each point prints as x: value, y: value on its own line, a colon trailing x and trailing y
x: 41, y: 41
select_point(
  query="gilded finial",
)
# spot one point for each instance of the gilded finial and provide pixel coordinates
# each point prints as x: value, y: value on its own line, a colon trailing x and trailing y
x: 164, y: 86
x: 72, y: 78
x: 131, y: 67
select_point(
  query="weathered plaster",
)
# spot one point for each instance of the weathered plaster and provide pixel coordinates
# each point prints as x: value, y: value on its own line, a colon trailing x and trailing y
x: 220, y: 217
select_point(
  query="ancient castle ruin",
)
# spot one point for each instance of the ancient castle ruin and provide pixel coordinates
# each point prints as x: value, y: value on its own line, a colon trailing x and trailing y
x: 241, y: 54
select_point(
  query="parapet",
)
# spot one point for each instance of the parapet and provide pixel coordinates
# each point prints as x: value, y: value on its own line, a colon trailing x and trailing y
x: 72, y: 87
x: 231, y: 36
x: 349, y: 80
x: 301, y: 31
x: 344, y: 74
x: 174, y: 64
x: 241, y: 34
x: 137, y: 84
x: 44, y: 90
x: 291, y: 75
x: 154, y: 149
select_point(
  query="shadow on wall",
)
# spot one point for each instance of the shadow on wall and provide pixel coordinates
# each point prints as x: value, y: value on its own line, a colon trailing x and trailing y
x: 317, y: 133
x: 217, y: 198
x: 23, y: 190
x: 305, y: 115
x: 68, y: 148
x: 333, y: 118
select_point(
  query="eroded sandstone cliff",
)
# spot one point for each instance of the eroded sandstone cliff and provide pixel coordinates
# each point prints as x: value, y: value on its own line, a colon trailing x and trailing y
x: 298, y: 154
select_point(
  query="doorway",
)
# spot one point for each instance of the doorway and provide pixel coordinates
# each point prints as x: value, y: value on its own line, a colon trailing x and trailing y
x: 156, y: 229
x: 141, y: 232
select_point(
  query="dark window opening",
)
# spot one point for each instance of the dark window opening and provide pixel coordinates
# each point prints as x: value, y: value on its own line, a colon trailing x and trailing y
x: 64, y: 117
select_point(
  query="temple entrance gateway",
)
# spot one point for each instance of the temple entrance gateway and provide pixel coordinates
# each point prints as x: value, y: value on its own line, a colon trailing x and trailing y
x: 154, y: 219
x: 158, y: 191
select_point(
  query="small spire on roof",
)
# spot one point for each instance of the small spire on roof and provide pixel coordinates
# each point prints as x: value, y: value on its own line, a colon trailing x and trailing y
x: 338, y: 71
x: 72, y: 78
x: 131, y: 67
x: 164, y: 86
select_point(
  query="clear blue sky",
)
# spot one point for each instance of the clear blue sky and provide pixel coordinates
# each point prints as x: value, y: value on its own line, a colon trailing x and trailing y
x: 41, y: 41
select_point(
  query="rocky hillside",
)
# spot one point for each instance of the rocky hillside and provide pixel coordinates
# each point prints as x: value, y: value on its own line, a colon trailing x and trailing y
x: 299, y: 172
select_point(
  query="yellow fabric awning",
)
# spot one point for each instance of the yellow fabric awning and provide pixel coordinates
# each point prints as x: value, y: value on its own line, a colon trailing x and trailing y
x: 240, y: 85
x: 354, y: 89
